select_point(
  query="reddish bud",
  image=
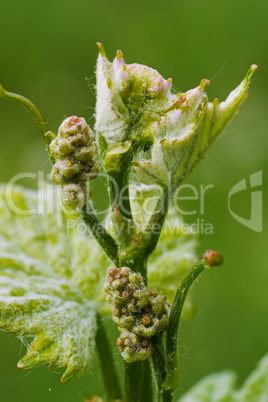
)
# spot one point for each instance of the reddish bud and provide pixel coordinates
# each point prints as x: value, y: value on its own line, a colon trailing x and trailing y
x: 119, y: 341
x: 145, y: 344
x: 213, y: 258
x: 117, y: 312
x: 146, y: 320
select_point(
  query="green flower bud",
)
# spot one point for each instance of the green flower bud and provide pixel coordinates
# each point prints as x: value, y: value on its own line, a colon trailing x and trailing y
x: 75, y: 195
x: 134, y: 348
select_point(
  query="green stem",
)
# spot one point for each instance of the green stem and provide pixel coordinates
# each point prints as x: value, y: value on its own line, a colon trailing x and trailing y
x: 108, y: 367
x: 159, y: 365
x: 101, y: 235
x: 172, y: 378
x: 136, y: 254
x: 156, y: 221
x: 136, y: 265
x: 36, y: 114
x: 167, y: 395
x: 119, y: 193
x: 138, y: 382
x: 135, y: 373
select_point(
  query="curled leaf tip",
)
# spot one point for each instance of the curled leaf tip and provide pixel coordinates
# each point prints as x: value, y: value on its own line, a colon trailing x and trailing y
x: 213, y: 258
x: 20, y: 366
x: 251, y: 71
x: 254, y: 67
x: 65, y: 379
x: 2, y: 91
x: 119, y: 54
x: 49, y: 136
x: 101, y: 49
x: 204, y: 83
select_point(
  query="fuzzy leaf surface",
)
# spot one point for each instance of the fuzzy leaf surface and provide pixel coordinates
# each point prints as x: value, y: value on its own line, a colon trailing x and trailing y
x: 49, y: 282
x: 220, y: 387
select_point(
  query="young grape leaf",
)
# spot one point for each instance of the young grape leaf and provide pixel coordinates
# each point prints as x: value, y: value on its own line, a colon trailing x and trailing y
x: 49, y: 282
x: 215, y: 387
x: 255, y: 388
x: 220, y: 387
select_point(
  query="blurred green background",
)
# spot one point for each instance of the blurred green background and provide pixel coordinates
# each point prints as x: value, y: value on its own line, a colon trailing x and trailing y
x: 47, y: 50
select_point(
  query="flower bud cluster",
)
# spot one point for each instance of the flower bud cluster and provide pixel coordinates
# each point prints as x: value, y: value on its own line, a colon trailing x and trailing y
x: 134, y: 348
x: 74, y: 152
x: 140, y: 313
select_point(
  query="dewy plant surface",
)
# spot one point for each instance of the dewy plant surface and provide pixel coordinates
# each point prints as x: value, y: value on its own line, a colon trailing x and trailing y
x: 136, y: 266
